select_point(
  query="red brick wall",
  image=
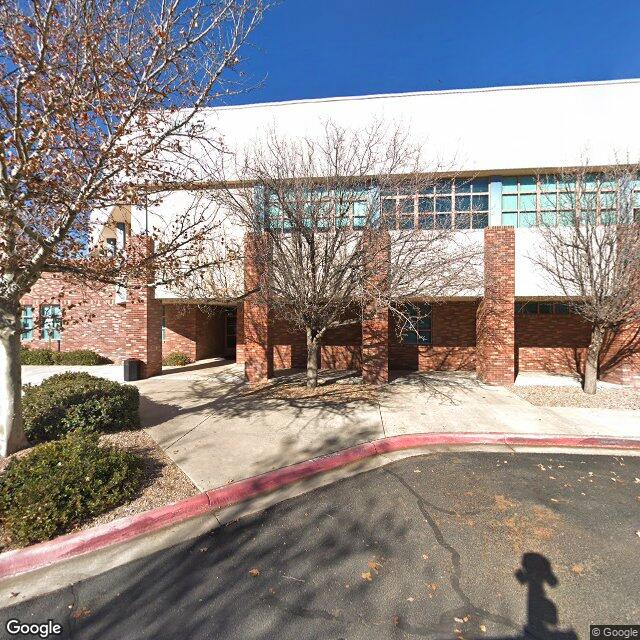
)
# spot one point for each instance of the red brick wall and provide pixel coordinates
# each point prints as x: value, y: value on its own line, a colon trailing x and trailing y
x: 453, y: 348
x: 197, y: 332
x: 495, y: 320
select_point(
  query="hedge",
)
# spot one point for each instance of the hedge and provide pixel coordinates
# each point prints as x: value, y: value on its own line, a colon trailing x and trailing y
x: 60, y: 485
x: 69, y: 401
x: 75, y: 357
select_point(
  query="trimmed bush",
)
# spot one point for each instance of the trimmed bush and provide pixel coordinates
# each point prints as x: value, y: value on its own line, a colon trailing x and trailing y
x: 38, y: 356
x: 176, y: 359
x: 47, y: 356
x: 69, y: 401
x: 81, y: 357
x: 60, y: 485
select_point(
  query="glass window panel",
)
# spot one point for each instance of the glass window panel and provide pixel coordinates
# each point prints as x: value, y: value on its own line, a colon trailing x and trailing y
x: 567, y: 185
x: 548, y: 184
x: 389, y: 221
x: 567, y: 218
x: 425, y: 220
x: 509, y: 219
x: 527, y: 184
x: 480, y: 220
x: 406, y: 222
x: 463, y: 186
x: 407, y: 205
x: 428, y: 190
x: 480, y: 186
x: 545, y: 307
x: 528, y: 202
x: 463, y: 221
x: 608, y: 185
x: 509, y: 203
x: 530, y: 308
x: 588, y: 216
x: 463, y: 203
x: 608, y: 200
x: 27, y: 323
x: 424, y: 338
x: 549, y: 218
x: 509, y: 185
x: 608, y: 217
x: 590, y: 182
x: 425, y: 204
x: 443, y: 221
x: 444, y: 186
x: 388, y: 205
x: 636, y: 199
x: 443, y: 203
x: 480, y: 203
x: 410, y: 337
x: 560, y: 309
x: 567, y: 201
x: 526, y: 219
x: 51, y: 322
x: 548, y: 201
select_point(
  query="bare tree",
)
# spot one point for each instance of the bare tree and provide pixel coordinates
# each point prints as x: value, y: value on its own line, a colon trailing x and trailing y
x: 344, y: 230
x: 95, y: 96
x: 590, y: 231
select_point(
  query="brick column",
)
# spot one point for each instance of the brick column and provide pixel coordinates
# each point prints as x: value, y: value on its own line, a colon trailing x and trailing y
x: 258, y: 354
x: 375, y: 324
x: 143, y: 320
x: 495, y: 340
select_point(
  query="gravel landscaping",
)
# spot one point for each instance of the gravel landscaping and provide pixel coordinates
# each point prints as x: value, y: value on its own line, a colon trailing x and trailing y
x: 163, y: 481
x: 607, y: 398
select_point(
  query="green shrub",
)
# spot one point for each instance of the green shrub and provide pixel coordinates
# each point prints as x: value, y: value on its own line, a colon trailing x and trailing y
x: 81, y: 357
x: 176, y: 359
x: 69, y: 401
x: 59, y: 485
x: 47, y: 356
x: 38, y: 356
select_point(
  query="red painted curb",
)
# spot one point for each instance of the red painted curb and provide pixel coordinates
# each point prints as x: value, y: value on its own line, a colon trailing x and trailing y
x: 40, y: 555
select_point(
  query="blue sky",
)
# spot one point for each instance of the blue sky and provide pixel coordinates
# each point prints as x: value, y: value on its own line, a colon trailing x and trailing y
x: 321, y: 48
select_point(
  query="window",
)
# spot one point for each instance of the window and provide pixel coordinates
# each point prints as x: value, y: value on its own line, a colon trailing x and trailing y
x: 163, y: 331
x: 544, y: 307
x: 417, y: 325
x: 552, y: 200
x: 111, y: 246
x: 27, y: 323
x: 51, y: 321
x: 449, y: 204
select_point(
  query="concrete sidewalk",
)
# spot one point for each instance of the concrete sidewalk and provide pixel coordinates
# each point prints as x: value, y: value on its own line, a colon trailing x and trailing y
x: 217, y: 429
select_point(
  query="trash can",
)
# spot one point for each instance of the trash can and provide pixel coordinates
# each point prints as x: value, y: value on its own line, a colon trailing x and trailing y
x: 131, y: 369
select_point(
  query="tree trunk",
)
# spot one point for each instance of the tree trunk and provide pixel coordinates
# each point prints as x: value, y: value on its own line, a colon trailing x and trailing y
x: 312, y: 359
x: 593, y: 357
x: 12, y: 436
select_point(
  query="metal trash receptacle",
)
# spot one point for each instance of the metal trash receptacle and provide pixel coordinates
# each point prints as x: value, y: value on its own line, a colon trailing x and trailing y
x: 131, y: 369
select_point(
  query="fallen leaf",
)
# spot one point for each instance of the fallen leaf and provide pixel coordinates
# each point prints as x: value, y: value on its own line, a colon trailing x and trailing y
x: 417, y: 471
x: 80, y: 613
x: 254, y: 572
x: 638, y: 533
x: 367, y: 576
x: 483, y: 628
x: 410, y: 599
x: 577, y: 569
x: 375, y: 566
x: 425, y: 556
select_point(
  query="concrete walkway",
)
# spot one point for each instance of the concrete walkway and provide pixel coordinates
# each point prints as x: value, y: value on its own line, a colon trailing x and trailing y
x: 217, y: 429
x: 35, y: 374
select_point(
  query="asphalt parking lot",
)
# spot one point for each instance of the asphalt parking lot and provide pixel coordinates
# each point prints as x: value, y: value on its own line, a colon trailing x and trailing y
x: 458, y: 545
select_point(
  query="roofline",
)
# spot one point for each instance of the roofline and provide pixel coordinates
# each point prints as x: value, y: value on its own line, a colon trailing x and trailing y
x: 432, y: 92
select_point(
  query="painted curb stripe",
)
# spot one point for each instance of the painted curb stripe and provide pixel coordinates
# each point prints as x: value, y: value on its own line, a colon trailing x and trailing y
x: 40, y: 555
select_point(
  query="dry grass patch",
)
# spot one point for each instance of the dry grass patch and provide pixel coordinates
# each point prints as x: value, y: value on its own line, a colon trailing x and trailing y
x: 605, y: 398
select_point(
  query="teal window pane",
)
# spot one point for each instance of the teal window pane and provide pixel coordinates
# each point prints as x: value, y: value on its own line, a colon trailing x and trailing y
x: 545, y: 307
x: 548, y: 201
x: 588, y: 216
x: 548, y: 184
x: 425, y: 205
x: 410, y: 337
x: 567, y: 218
x: 608, y: 217
x: 528, y: 202
x: 27, y: 323
x: 443, y: 221
x: 443, y: 203
x: 445, y: 186
x: 567, y: 201
x: 360, y: 214
x: 509, y: 203
x: 549, y: 218
x: 51, y: 318
x: 388, y: 205
x: 406, y: 205
x: 406, y: 222
x: 509, y: 219
x: 527, y: 219
x: 463, y: 203
x: 480, y: 203
x: 425, y: 220
x: 560, y: 309
x: 527, y: 184
x: 480, y: 220
x: 463, y: 186
x: 480, y: 186
x: 530, y: 308
x: 636, y: 199
x: 509, y: 185
x: 608, y: 185
x: 567, y: 185
x: 608, y: 200
x: 590, y: 182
